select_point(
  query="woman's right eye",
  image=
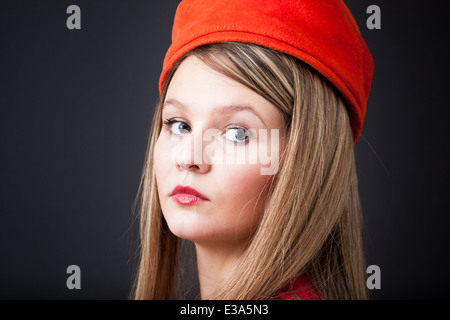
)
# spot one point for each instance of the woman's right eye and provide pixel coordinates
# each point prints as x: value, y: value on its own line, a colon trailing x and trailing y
x: 177, y: 128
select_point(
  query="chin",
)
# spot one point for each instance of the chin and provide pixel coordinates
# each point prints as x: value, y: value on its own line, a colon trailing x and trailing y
x: 186, y: 231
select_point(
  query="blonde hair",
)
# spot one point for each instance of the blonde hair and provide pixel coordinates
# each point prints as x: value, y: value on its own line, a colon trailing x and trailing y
x: 311, y: 225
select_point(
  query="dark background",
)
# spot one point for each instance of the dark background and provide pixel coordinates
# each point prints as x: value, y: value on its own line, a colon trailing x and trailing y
x: 75, y: 113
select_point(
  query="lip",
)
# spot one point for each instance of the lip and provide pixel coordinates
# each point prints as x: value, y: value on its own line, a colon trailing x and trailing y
x: 185, y: 195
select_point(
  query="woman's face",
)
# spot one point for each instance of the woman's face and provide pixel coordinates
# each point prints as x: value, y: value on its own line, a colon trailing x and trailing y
x: 219, y: 138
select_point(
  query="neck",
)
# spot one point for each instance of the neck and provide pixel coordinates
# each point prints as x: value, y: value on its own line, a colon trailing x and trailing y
x: 215, y: 262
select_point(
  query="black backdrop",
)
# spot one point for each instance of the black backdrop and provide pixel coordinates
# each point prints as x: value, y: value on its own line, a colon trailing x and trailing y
x: 75, y: 113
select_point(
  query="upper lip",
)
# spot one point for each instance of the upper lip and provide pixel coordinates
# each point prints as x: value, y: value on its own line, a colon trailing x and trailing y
x: 187, y: 190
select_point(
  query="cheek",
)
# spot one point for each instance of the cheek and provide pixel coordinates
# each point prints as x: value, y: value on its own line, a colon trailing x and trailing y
x: 161, y: 160
x: 157, y: 161
x: 241, y: 190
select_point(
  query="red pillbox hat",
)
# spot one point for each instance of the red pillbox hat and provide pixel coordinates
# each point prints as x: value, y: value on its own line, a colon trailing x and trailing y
x: 321, y: 33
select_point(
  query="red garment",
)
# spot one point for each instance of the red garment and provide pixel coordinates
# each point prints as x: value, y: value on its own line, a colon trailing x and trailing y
x: 300, y: 289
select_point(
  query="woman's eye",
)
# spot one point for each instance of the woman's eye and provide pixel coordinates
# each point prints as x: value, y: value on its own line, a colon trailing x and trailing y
x: 177, y: 128
x: 237, y: 135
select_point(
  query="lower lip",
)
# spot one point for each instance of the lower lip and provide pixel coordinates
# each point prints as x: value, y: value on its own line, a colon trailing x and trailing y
x: 187, y: 199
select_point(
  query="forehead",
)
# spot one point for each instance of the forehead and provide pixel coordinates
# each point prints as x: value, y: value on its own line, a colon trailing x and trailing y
x: 200, y: 89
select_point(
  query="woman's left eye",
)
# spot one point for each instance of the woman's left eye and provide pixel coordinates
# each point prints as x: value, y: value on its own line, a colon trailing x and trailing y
x: 237, y: 135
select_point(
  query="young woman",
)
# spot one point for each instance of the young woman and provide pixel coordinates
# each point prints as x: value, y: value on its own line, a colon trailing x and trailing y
x: 239, y: 80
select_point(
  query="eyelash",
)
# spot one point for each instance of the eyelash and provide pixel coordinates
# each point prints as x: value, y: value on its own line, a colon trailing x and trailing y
x: 169, y: 122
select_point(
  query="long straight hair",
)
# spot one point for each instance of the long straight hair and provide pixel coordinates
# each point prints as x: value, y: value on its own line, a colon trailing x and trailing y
x: 312, y: 222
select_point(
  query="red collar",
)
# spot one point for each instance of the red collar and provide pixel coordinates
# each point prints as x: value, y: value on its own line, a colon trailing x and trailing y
x: 299, y: 289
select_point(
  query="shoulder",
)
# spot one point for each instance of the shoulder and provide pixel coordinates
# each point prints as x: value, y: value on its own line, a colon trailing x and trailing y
x: 299, y: 289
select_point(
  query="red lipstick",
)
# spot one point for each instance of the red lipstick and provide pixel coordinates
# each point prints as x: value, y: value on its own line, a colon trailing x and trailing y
x: 185, y: 195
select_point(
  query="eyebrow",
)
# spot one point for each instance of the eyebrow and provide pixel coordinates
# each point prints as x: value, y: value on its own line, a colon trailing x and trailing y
x: 220, y: 109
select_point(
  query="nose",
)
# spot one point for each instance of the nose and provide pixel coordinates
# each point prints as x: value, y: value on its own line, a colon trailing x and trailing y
x: 197, y: 168
x: 190, y: 154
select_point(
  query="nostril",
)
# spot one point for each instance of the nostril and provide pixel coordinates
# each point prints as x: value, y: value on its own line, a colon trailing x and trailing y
x: 198, y: 168
x: 188, y: 166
